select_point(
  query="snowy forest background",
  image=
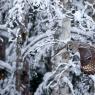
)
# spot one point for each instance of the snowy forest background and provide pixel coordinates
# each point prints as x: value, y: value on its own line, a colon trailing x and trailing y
x: 47, y: 47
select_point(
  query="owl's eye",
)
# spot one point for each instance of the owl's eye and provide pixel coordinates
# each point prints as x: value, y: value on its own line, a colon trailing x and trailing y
x: 69, y: 46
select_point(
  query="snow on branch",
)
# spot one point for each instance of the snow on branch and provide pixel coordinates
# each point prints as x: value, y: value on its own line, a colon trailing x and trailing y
x: 6, y: 66
x: 37, y: 39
